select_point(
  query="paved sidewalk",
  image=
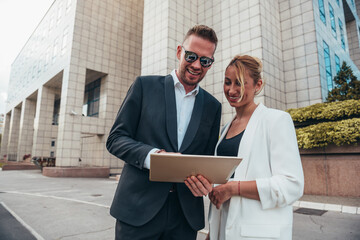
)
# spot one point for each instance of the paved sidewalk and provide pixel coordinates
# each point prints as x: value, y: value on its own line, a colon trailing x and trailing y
x: 78, y: 208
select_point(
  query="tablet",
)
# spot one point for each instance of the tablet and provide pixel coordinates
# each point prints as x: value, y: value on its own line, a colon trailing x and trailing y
x: 176, y: 167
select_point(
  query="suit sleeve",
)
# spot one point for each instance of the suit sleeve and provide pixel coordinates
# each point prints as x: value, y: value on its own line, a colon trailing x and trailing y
x: 121, y: 141
x: 286, y: 184
x: 214, y: 135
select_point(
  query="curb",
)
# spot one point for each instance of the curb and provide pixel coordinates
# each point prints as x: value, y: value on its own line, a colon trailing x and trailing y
x: 327, y: 207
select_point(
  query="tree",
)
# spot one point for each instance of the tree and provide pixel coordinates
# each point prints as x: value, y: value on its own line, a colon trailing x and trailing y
x: 347, y: 86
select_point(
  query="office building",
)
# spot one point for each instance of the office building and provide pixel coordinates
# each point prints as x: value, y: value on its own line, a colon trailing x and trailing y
x: 70, y: 78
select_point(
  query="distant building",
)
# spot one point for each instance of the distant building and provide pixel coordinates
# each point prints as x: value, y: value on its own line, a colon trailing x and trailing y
x: 2, y: 118
x: 68, y: 81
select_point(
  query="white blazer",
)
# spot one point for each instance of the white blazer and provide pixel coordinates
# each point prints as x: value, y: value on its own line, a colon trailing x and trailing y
x: 271, y: 157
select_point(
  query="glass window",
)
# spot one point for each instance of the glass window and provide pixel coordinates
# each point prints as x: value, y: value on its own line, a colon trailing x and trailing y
x: 342, y: 38
x: 55, y: 120
x: 328, y: 66
x: 55, y: 50
x: 332, y: 20
x: 40, y: 65
x: 338, y: 2
x: 59, y: 14
x: 47, y: 58
x: 353, y: 3
x: 34, y: 71
x: 322, y: 11
x: 53, y: 143
x: 68, y: 5
x: 337, y: 63
x: 91, y: 99
x: 64, y: 41
x: 51, y: 25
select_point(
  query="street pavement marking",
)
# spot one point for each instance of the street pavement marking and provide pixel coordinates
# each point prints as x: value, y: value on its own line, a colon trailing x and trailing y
x: 313, y: 205
x: 31, y: 230
x: 58, y: 198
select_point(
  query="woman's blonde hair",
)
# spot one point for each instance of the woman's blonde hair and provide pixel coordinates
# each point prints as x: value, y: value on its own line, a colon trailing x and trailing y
x: 252, y: 65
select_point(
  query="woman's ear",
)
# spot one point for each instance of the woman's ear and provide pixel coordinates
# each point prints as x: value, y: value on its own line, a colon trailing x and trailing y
x: 259, y: 86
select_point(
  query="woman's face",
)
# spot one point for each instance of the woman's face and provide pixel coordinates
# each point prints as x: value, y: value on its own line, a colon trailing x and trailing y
x: 233, y: 90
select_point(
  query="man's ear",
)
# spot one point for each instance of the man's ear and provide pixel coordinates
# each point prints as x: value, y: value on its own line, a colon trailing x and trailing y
x: 178, y: 52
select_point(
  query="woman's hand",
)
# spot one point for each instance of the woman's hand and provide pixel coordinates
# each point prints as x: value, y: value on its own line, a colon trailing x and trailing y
x: 198, y: 185
x: 222, y: 193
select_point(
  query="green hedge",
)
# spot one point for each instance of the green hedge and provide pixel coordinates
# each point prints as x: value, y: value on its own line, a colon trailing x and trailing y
x: 326, y: 111
x: 322, y: 134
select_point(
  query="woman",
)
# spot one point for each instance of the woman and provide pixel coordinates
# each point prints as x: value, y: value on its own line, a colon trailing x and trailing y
x: 257, y: 201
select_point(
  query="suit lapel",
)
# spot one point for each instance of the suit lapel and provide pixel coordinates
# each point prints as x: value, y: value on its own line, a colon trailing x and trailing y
x: 171, y: 121
x: 194, y: 121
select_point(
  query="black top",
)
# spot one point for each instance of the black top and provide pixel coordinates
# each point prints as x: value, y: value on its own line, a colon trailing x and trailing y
x: 230, y: 147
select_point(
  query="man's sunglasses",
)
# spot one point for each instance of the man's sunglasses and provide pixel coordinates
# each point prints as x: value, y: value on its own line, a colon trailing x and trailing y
x: 192, y: 57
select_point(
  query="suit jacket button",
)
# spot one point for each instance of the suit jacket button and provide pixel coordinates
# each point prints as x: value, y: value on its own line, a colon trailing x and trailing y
x: 137, y: 163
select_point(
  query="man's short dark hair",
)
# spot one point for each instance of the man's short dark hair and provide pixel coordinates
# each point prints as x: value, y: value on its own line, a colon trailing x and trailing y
x: 204, y: 32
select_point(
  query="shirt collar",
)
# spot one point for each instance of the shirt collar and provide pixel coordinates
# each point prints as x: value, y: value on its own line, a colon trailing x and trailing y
x: 177, y: 83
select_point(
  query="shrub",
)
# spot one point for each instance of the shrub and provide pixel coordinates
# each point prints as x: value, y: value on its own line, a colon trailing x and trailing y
x: 326, y: 111
x: 322, y: 134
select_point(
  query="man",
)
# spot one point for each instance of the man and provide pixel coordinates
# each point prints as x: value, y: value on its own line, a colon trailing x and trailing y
x: 165, y: 114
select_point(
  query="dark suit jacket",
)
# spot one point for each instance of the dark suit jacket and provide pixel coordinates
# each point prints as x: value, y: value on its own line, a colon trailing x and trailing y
x: 147, y: 120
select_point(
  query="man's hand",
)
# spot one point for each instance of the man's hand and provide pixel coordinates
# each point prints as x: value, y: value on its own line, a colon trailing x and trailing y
x: 198, y: 185
x: 162, y: 151
x: 221, y: 193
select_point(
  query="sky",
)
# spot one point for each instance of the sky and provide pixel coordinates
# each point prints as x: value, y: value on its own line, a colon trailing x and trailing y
x: 18, y: 20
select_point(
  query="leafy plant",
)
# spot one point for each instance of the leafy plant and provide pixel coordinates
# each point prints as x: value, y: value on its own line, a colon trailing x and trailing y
x: 326, y: 111
x: 322, y: 134
x: 347, y: 86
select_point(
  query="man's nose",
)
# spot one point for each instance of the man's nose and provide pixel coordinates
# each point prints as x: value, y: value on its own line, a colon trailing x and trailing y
x: 196, y: 64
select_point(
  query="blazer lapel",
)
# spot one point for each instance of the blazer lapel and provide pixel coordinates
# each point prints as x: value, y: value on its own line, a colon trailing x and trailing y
x: 171, y: 121
x: 246, y: 143
x: 194, y: 121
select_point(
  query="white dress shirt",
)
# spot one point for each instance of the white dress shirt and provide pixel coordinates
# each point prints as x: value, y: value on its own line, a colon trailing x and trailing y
x: 184, y: 107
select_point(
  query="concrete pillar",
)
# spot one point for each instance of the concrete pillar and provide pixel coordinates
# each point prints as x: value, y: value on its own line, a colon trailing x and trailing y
x: 5, y: 136
x: 68, y: 141
x: 170, y: 26
x: 26, y: 128
x: 14, y: 134
x: 42, y: 122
